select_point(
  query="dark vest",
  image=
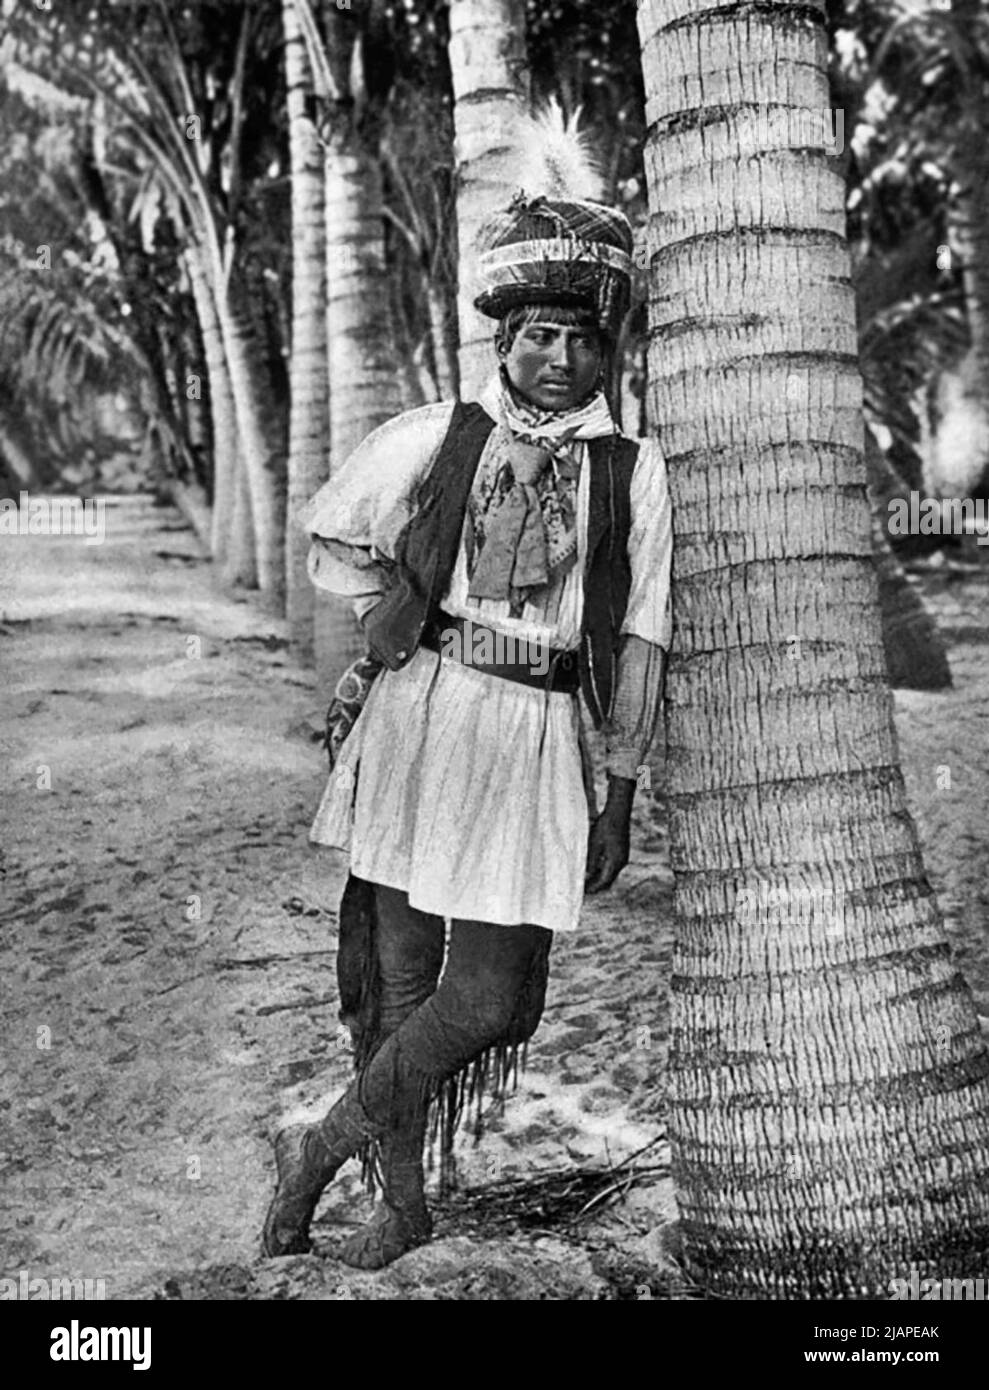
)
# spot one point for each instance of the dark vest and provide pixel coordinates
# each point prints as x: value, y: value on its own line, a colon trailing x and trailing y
x: 426, y: 553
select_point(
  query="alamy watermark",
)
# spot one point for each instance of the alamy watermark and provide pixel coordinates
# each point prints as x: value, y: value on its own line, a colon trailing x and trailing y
x: 54, y: 516
x: 934, y: 516
x: 24, y: 1289
x: 781, y: 905
x: 933, y: 1290
x: 802, y: 128
x: 82, y: 1343
x: 483, y: 647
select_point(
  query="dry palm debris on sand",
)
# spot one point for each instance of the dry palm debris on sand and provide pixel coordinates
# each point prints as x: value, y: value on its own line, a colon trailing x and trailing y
x: 553, y: 1202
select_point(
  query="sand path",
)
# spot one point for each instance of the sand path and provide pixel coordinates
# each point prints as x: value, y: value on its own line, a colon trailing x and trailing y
x: 167, y: 953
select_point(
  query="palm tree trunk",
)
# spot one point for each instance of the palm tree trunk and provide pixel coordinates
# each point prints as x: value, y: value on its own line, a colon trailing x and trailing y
x: 260, y: 445
x: 416, y: 380
x: 969, y: 224
x: 234, y: 542
x: 364, y: 384
x: 829, y: 1082
x: 491, y: 88
x: 223, y: 415
x: 971, y: 215
x: 189, y: 498
x: 365, y: 390
x: 362, y: 366
x: 444, y: 359
x: 240, y: 564
x: 197, y: 406
x: 958, y: 462
x: 309, y: 421
x: 970, y: 227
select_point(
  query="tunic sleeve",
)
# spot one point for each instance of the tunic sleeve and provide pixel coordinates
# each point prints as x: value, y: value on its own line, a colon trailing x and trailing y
x: 629, y: 733
x: 648, y: 626
x: 650, y: 549
x: 356, y: 517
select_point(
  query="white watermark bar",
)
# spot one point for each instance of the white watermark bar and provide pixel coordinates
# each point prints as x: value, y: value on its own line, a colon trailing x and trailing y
x: 934, y: 516
x: 54, y: 516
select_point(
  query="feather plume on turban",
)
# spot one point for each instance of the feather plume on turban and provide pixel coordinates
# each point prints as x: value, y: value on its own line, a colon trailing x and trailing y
x: 556, y: 243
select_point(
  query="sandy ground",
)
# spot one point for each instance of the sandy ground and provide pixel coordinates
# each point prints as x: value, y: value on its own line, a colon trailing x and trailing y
x: 168, y: 943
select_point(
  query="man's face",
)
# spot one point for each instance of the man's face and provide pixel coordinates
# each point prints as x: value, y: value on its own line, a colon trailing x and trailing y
x: 554, y: 366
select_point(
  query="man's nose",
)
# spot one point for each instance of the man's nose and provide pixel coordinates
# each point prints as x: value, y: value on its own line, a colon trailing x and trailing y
x: 562, y: 353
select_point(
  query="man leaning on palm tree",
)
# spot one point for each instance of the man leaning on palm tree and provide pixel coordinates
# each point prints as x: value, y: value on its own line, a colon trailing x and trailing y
x: 462, y: 792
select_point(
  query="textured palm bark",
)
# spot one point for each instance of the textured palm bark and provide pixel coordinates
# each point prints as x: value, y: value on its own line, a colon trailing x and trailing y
x: 491, y: 88
x: 231, y: 554
x: 970, y: 221
x: 829, y: 1084
x: 970, y: 233
x: 958, y: 464
x: 240, y: 566
x: 364, y: 380
x: 197, y: 421
x: 362, y: 365
x: 445, y: 370
x: 260, y: 443
x: 309, y: 382
x: 970, y: 225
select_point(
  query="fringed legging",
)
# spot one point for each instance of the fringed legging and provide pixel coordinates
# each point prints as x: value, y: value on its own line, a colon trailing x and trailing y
x: 431, y: 1028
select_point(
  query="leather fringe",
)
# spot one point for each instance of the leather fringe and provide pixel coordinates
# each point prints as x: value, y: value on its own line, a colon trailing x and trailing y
x: 449, y: 1103
x: 459, y: 1102
x: 454, y: 1104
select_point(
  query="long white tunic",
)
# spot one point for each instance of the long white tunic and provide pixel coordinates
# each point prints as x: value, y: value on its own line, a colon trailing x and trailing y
x: 467, y: 790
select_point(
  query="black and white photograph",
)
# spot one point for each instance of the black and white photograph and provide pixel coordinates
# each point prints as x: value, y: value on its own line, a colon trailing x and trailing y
x: 494, y: 661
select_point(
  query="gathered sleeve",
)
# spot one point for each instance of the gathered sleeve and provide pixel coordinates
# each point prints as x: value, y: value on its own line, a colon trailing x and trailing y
x: 648, y: 626
x: 355, y: 518
x: 650, y: 549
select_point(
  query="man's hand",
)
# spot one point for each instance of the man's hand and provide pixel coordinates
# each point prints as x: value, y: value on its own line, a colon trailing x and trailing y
x: 608, y: 844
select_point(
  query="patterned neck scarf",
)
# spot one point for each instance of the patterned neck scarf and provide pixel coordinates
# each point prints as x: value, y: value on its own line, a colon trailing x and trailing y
x: 522, y: 532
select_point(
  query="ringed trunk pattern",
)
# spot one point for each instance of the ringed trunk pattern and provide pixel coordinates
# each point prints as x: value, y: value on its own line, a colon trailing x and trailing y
x: 224, y: 421
x: 261, y: 448
x: 309, y: 420
x: 491, y: 89
x: 829, y: 1082
x: 364, y: 385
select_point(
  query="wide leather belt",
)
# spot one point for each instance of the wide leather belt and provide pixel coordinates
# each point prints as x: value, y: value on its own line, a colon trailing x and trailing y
x: 502, y: 655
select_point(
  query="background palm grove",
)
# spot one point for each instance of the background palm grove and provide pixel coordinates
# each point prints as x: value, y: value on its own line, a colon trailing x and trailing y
x: 229, y: 242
